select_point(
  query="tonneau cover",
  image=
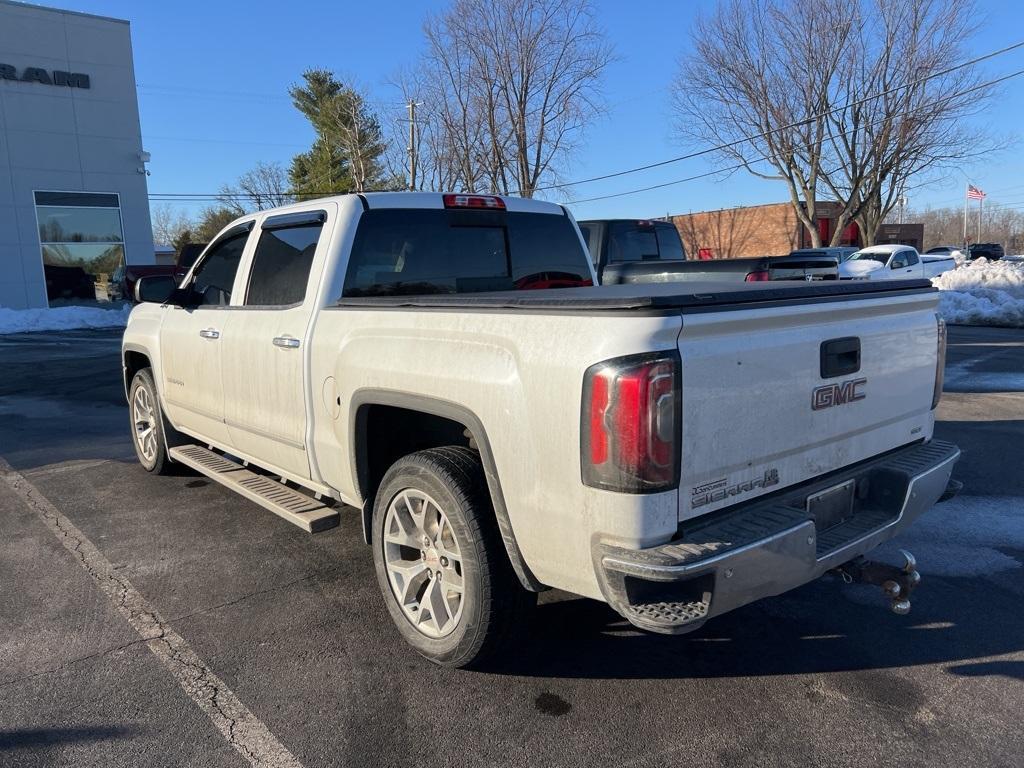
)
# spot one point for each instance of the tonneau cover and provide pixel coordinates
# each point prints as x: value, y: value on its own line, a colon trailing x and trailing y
x: 648, y: 296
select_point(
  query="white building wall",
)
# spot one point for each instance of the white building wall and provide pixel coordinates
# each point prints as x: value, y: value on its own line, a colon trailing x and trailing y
x: 59, y: 138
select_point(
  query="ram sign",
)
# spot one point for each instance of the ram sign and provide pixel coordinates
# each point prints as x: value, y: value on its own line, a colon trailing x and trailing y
x: 45, y: 77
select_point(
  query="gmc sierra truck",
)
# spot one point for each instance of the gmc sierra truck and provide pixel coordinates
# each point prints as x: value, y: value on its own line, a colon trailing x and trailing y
x: 676, y: 450
x: 650, y: 251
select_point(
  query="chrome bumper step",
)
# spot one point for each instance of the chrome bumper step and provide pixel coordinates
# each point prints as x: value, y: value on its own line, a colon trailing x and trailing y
x: 295, y: 507
x: 766, y: 547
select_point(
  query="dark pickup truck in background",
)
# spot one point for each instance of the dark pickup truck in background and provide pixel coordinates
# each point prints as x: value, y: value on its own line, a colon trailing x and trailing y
x: 648, y: 251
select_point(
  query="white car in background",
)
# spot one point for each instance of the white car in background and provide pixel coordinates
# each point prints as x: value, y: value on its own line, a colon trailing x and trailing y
x: 944, y: 250
x: 893, y: 262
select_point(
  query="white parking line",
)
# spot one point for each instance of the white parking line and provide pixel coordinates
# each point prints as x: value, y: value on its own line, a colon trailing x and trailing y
x: 240, y: 727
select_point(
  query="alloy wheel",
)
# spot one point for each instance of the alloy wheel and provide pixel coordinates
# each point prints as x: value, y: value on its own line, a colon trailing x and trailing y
x: 424, y: 563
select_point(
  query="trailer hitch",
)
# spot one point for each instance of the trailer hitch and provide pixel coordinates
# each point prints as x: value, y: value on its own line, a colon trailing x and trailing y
x: 897, y: 582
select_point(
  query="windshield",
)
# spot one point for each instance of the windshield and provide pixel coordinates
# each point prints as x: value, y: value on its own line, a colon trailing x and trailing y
x: 939, y: 250
x: 880, y: 256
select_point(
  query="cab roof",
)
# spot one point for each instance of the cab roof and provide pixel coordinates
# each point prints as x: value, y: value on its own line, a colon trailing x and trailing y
x: 888, y: 248
x: 429, y: 200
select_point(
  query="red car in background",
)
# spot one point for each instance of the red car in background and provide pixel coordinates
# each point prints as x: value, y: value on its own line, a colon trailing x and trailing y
x: 122, y: 283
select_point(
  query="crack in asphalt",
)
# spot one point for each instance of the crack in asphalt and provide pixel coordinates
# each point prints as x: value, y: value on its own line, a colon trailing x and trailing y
x: 236, y: 723
x: 258, y: 593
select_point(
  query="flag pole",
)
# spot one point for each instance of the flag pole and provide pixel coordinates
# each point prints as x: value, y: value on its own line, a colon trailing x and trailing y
x: 981, y: 206
x: 966, y: 200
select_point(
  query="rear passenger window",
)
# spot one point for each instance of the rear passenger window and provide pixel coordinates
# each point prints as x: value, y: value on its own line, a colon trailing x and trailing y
x: 281, y: 264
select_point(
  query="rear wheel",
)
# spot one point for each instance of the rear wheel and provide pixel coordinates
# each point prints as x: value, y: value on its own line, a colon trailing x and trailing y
x: 440, y: 561
x: 148, y: 424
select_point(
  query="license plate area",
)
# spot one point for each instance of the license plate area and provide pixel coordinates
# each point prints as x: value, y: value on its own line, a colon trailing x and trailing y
x: 832, y: 506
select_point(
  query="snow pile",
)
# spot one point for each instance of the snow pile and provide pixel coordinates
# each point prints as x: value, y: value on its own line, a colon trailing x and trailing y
x: 61, y: 319
x: 983, y: 292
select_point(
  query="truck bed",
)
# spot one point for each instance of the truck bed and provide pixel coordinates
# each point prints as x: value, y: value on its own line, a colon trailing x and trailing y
x: 654, y: 297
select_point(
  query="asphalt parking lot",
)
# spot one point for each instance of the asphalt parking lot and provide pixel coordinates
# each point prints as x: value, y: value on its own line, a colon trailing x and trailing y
x: 292, y: 625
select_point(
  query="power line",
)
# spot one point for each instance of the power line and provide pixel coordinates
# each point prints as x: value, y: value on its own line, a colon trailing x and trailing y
x: 206, y: 196
x: 147, y: 137
x: 805, y: 121
x: 762, y: 158
x: 254, y: 96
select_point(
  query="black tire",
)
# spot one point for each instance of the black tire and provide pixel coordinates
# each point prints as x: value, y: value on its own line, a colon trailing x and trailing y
x: 494, y: 604
x: 157, y: 462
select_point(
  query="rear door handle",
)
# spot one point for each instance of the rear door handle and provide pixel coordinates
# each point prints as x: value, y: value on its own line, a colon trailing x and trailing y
x: 210, y: 333
x: 286, y: 342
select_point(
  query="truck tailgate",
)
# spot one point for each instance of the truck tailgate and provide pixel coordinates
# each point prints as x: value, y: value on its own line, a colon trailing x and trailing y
x: 762, y: 411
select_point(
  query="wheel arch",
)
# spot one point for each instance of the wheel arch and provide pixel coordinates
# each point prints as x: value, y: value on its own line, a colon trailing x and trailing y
x: 361, y: 409
x: 134, y: 358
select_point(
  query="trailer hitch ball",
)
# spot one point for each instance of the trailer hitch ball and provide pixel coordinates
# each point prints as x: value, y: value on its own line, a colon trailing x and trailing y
x: 900, y: 607
x: 896, y: 582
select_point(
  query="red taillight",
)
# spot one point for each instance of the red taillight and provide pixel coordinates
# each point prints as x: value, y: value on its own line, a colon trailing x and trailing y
x: 598, y: 410
x: 757, y: 276
x: 488, y: 202
x: 630, y: 424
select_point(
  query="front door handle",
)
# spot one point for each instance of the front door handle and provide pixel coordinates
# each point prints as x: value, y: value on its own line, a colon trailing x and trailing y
x: 286, y: 342
x: 210, y: 333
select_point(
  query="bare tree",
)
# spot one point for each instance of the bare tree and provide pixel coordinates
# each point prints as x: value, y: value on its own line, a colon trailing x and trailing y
x: 436, y: 167
x: 1002, y: 224
x: 910, y: 54
x: 266, y: 185
x: 761, y: 68
x: 169, y: 223
x: 844, y: 97
x: 358, y: 135
x: 509, y: 88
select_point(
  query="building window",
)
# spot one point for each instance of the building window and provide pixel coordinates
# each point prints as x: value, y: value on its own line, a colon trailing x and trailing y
x: 79, y: 231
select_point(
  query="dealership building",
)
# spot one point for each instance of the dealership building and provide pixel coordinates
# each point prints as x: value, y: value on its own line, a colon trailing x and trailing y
x: 73, y: 195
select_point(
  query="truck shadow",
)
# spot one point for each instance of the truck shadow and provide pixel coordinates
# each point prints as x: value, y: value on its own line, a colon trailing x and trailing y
x: 815, y: 629
x: 37, y: 738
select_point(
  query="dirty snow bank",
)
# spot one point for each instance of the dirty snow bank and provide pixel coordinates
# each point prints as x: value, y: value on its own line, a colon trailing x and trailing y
x: 61, y: 319
x: 983, y: 292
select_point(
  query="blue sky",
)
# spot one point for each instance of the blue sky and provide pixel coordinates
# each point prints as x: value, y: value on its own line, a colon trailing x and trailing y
x: 213, y: 79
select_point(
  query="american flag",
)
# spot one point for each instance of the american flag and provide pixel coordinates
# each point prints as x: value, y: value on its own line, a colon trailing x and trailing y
x: 973, y: 193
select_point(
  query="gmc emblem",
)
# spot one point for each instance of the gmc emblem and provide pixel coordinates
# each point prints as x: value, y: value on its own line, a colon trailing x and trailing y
x: 837, y: 394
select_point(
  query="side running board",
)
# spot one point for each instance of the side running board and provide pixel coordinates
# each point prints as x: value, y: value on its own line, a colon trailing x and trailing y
x: 297, y: 508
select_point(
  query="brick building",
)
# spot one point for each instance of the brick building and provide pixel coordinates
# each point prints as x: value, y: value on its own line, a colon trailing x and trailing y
x: 773, y: 230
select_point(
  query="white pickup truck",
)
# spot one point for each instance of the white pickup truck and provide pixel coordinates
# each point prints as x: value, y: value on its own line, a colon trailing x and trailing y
x: 676, y: 450
x: 893, y: 262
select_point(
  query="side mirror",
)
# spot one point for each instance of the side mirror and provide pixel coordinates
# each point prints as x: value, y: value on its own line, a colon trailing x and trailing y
x: 155, y: 289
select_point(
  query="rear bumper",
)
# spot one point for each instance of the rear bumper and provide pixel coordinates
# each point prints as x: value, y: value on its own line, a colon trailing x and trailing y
x: 769, y: 546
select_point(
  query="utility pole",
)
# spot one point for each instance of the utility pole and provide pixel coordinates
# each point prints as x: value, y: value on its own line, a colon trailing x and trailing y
x: 412, y: 143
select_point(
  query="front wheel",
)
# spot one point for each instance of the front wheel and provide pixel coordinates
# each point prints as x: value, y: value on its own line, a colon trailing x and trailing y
x: 440, y: 561
x: 148, y: 424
